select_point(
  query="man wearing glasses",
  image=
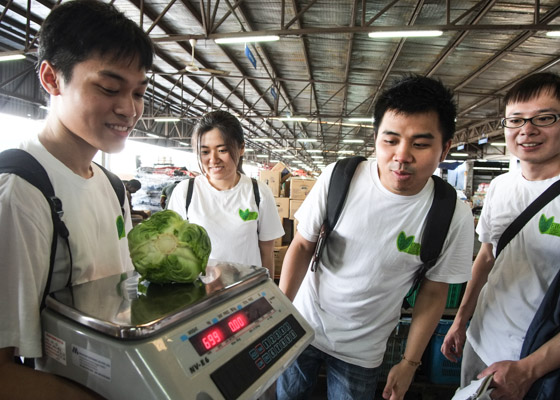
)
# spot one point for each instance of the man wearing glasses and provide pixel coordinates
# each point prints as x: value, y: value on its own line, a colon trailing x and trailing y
x: 506, y: 291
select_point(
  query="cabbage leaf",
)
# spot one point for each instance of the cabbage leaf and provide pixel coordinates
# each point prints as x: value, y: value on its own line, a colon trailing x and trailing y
x: 165, y: 248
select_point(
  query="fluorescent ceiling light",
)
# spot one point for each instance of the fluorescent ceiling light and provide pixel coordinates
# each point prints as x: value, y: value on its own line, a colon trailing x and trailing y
x: 274, y: 160
x: 295, y: 119
x: 398, y: 34
x: 288, y: 156
x: 261, y: 140
x: 304, y: 140
x: 314, y: 151
x: 11, y: 55
x: 353, y: 141
x: 345, y: 152
x: 246, y: 39
x: 492, y: 168
x: 317, y: 157
x: 459, y: 154
x: 262, y: 156
x: 498, y: 144
x: 184, y: 144
x: 360, y: 119
x: 247, y: 150
x: 153, y: 135
x: 167, y: 119
x: 553, y: 34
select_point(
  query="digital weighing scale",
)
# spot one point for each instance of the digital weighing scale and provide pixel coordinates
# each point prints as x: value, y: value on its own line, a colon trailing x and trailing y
x: 228, y: 339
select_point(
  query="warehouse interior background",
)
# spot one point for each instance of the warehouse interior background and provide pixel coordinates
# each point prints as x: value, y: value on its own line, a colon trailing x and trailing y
x: 306, y: 97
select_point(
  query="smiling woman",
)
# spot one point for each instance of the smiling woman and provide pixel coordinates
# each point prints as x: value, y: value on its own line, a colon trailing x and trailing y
x: 238, y: 213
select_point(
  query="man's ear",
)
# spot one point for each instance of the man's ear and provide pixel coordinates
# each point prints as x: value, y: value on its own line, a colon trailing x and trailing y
x: 446, y: 148
x: 50, y: 78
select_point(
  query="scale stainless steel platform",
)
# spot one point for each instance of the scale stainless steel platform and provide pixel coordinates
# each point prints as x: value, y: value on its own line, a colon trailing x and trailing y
x: 227, y: 339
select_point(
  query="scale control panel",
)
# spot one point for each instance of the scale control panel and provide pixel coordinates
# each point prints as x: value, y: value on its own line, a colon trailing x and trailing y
x: 234, y: 349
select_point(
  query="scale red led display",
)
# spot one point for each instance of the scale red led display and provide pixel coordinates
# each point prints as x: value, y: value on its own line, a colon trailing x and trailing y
x: 212, y: 336
x: 237, y: 322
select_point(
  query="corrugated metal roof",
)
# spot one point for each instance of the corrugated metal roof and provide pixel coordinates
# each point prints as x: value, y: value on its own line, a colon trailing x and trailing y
x: 324, y: 67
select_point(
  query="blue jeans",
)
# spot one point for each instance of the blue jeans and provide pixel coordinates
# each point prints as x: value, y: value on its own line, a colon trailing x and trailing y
x: 344, y: 381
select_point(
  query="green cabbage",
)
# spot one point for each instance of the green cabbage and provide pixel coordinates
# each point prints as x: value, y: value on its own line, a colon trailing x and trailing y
x: 165, y: 248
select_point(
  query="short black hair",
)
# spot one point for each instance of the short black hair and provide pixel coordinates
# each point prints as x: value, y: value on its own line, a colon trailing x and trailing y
x: 414, y: 94
x: 532, y: 86
x: 230, y: 128
x: 75, y: 31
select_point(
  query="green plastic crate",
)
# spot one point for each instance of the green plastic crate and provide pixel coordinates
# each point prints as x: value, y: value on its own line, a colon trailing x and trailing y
x: 454, y: 295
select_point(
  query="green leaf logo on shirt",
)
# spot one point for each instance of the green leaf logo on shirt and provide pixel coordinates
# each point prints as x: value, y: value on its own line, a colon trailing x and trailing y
x: 247, y: 215
x: 406, y: 244
x: 120, y: 227
x: 547, y: 226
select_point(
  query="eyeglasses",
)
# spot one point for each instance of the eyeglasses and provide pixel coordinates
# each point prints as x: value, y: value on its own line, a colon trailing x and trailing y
x: 537, y: 120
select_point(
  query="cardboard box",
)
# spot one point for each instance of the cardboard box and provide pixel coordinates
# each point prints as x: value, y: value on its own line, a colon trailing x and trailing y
x: 284, y: 171
x: 283, y: 206
x: 294, y: 205
x: 272, y: 180
x: 300, y: 188
x: 279, y: 254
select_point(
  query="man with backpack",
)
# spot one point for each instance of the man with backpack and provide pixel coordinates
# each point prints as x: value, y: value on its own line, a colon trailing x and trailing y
x: 92, y: 61
x: 353, y: 295
x: 514, y: 295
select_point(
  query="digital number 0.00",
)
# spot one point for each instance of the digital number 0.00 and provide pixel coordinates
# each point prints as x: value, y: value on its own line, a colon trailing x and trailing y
x: 238, y: 322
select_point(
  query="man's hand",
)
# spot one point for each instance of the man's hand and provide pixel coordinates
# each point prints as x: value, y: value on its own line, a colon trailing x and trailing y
x: 453, y: 343
x: 510, y: 381
x: 398, y: 381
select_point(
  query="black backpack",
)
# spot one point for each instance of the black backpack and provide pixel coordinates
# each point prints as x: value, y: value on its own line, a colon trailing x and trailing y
x: 24, y: 165
x: 437, y: 224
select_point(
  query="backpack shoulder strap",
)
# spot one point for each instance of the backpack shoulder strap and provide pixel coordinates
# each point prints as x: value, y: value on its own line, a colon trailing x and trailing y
x: 256, y: 192
x: 21, y: 163
x: 24, y: 165
x: 438, y: 222
x: 513, y: 229
x: 117, y: 184
x: 338, y: 187
x: 189, y: 196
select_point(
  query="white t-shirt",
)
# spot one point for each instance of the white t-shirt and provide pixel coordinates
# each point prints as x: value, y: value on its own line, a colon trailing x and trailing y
x: 231, y: 217
x: 521, y: 274
x: 354, y: 299
x: 91, y: 210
